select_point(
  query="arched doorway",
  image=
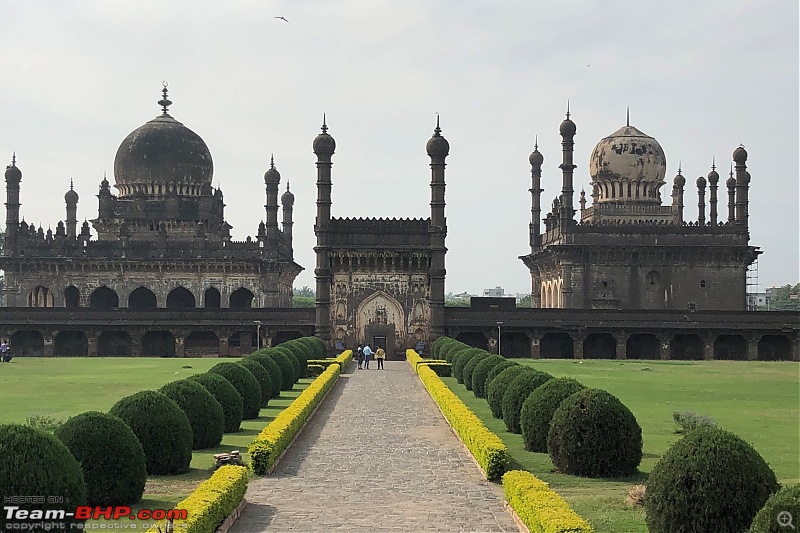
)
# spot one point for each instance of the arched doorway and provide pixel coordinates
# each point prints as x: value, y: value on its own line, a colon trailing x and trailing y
x: 201, y: 343
x: 514, y: 344
x: 103, y: 298
x: 114, y: 344
x: 158, y: 344
x: 686, y: 347
x: 556, y: 346
x: 72, y: 297
x: 241, y: 298
x: 27, y: 342
x: 774, y: 348
x: 71, y: 344
x: 211, y: 298
x: 600, y: 346
x: 380, y: 320
x: 40, y: 296
x: 731, y: 347
x: 142, y: 298
x: 180, y: 298
x: 642, y: 346
x: 476, y: 339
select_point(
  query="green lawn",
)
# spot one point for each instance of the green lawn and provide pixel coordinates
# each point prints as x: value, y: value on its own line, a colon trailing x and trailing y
x: 758, y: 401
x: 62, y: 387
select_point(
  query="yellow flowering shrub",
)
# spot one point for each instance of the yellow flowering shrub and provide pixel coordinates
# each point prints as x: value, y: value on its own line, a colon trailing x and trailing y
x: 539, y: 507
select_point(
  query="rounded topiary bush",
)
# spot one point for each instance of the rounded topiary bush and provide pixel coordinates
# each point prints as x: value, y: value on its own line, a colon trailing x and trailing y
x: 110, y: 455
x: 449, y: 351
x: 298, y: 351
x: 285, y: 364
x: 593, y: 434
x: 538, y: 408
x: 263, y: 377
x: 245, y: 383
x: 481, y: 371
x: 272, y: 368
x: 161, y: 427
x: 497, y: 387
x: 436, y: 345
x: 36, y: 463
x: 296, y: 370
x: 201, y: 408
x: 770, y: 519
x: 460, y: 361
x: 315, y: 346
x: 494, y: 372
x: 516, y: 394
x: 469, y: 368
x: 227, y: 396
x: 710, y: 480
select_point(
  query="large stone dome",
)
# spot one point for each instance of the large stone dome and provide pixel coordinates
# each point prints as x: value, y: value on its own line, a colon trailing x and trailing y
x: 160, y: 157
x: 628, y: 165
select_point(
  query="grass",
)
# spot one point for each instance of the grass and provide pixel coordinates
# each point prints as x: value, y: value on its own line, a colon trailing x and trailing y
x: 58, y: 388
x: 756, y: 400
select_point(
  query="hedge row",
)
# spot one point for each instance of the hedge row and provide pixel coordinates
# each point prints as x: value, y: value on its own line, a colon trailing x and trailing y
x: 278, y: 435
x: 211, y: 502
x: 539, y: 507
x: 489, y: 451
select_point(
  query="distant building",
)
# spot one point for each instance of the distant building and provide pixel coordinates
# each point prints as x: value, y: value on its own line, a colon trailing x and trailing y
x: 497, y: 292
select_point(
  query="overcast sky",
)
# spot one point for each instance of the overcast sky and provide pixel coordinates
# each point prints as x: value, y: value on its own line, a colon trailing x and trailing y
x: 700, y: 77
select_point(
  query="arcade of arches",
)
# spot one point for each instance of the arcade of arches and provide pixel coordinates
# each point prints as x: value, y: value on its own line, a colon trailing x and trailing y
x: 142, y: 298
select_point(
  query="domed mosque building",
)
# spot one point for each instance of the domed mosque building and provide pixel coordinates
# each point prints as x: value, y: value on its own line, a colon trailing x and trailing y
x: 629, y: 249
x: 160, y: 242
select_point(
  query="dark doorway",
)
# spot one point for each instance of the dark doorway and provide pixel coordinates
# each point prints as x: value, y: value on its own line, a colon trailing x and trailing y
x: 202, y: 343
x: 731, y: 347
x: 158, y: 344
x: 180, y: 298
x: 71, y: 344
x: 642, y: 346
x: 103, y: 298
x: 114, y: 344
x: 556, y: 346
x: 774, y: 348
x: 72, y: 297
x: 26, y: 342
x: 283, y: 336
x: 241, y: 298
x: 142, y: 298
x: 476, y: 339
x: 211, y: 298
x: 40, y: 297
x: 515, y: 345
x: 686, y: 347
x: 600, y: 346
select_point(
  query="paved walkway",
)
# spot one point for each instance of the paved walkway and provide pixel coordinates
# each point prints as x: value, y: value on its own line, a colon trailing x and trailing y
x: 377, y: 456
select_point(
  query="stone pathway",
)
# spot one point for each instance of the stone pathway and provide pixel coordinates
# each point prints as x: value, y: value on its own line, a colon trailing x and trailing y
x: 377, y: 456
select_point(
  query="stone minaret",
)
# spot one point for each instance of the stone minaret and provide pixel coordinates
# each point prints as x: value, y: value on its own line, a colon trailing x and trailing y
x: 567, y: 131
x: 713, y: 180
x: 701, y: 201
x: 677, y: 197
x: 438, y: 149
x: 742, y: 185
x: 287, y: 200
x: 731, y: 184
x: 71, y: 198
x: 536, y: 159
x: 324, y: 147
x: 272, y: 179
x: 13, y: 177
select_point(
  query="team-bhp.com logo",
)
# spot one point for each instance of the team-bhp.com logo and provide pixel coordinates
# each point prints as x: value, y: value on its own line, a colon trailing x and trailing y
x: 17, y: 518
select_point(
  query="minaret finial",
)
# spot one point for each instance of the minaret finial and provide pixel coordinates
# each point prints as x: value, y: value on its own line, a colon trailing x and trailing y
x: 14, y: 158
x: 272, y: 161
x: 536, y: 143
x: 679, y: 167
x: 437, y: 132
x: 567, y: 109
x: 713, y: 163
x: 287, y: 185
x: 164, y: 102
x: 628, y: 116
x: 324, y: 124
x: 731, y: 169
x: 70, y: 184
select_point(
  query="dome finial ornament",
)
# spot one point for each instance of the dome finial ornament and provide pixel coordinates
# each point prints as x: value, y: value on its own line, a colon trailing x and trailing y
x: 164, y: 102
x: 536, y: 142
x: 287, y: 185
x: 713, y: 163
x: 14, y: 158
x: 70, y: 184
x: 272, y: 161
x: 567, y: 109
x: 679, y: 167
x: 628, y: 116
x: 324, y: 124
x: 437, y: 131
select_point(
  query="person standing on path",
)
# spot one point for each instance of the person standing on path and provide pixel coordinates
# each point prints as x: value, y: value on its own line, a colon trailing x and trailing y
x: 367, y: 355
x: 380, y: 355
x: 360, y: 356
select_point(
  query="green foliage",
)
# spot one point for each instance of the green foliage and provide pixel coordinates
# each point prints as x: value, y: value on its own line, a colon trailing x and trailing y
x: 498, y: 386
x: 538, y: 408
x: 272, y: 368
x: 437, y: 344
x: 461, y: 359
x: 443, y: 370
x: 303, y: 302
x: 161, y: 427
x: 469, y: 368
x: 495, y: 371
x: 201, y: 408
x: 227, y: 396
x: 262, y: 376
x: 110, y: 455
x: 785, y: 299
x: 300, y: 352
x: 710, y: 480
x: 786, y: 500
x: 593, y: 434
x: 297, y: 371
x: 305, y: 292
x: 524, y: 302
x: 516, y: 394
x: 449, y: 351
x: 43, y: 422
x: 284, y: 362
x: 245, y: 384
x: 481, y: 371
x: 315, y: 348
x: 688, y: 420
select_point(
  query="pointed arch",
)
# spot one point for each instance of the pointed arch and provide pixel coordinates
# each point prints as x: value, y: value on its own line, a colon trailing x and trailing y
x: 142, y: 298
x: 380, y: 308
x: 180, y: 297
x: 241, y: 298
x: 103, y: 298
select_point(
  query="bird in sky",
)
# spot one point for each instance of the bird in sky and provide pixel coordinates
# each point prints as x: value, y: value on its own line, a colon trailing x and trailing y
x: 282, y: 18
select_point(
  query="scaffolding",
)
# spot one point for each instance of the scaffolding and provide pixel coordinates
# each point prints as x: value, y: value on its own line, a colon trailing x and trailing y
x: 752, y: 286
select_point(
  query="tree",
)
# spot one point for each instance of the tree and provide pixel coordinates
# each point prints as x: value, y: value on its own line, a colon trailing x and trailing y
x: 306, y: 292
x: 303, y: 301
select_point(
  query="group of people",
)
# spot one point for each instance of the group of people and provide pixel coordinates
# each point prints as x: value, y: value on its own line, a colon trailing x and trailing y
x: 5, y: 353
x: 365, y: 353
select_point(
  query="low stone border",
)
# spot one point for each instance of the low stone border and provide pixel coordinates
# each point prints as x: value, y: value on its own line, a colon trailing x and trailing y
x: 232, y: 518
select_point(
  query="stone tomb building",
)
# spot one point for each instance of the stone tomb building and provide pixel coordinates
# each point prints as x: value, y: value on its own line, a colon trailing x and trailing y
x: 160, y: 242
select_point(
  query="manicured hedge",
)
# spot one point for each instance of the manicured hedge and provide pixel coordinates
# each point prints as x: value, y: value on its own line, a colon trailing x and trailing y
x: 263, y: 377
x: 245, y: 383
x: 211, y: 502
x: 227, y: 396
x: 272, y: 368
x: 469, y: 368
x: 539, y: 507
x: 785, y: 500
x: 204, y: 412
x: 300, y: 352
x: 292, y: 358
x: 498, y: 386
x: 284, y: 362
x: 489, y: 451
x: 482, y: 371
x: 538, y: 408
x: 494, y: 372
x: 443, y: 369
x: 516, y: 394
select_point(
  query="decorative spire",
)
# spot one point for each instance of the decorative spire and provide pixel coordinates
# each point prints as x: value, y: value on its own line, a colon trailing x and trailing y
x: 679, y: 167
x: 731, y: 170
x: 324, y: 124
x: 713, y: 163
x: 14, y: 158
x: 272, y: 161
x: 628, y: 116
x: 567, y: 109
x: 287, y: 185
x: 437, y: 132
x: 536, y: 143
x: 70, y: 184
x: 164, y: 102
